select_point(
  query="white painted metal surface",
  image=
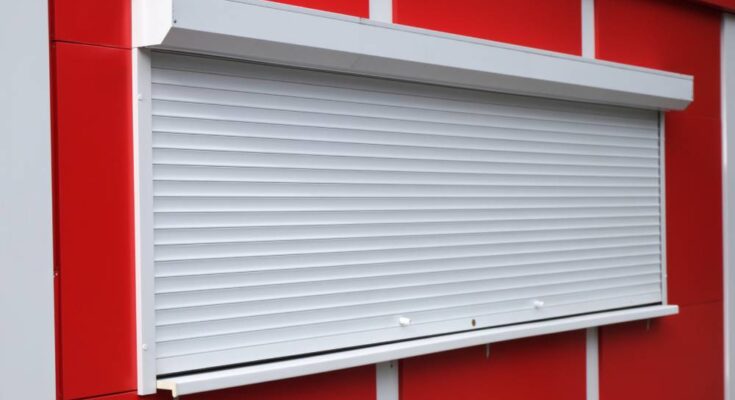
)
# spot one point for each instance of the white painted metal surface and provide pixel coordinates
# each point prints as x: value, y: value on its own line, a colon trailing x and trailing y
x: 381, y: 10
x: 145, y: 275
x: 728, y: 192
x: 245, y: 29
x: 300, y: 211
x: 588, y: 28
x: 387, y: 380
x: 208, y: 381
x: 27, y: 362
x: 593, y: 364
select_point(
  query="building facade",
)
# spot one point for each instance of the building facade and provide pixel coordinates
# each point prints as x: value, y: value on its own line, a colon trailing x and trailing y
x: 114, y: 70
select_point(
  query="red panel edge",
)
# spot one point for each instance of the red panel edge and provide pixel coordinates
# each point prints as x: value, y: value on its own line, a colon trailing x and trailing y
x: 94, y: 220
x: 95, y: 22
x: 55, y: 220
x: 725, y: 5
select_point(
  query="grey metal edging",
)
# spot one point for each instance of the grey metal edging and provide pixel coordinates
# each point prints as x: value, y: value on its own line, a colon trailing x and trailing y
x: 593, y: 364
x: 244, y: 29
x: 143, y: 178
x: 387, y: 380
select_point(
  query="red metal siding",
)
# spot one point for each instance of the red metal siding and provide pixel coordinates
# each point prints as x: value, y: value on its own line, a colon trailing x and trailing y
x: 352, y: 384
x: 101, y: 22
x: 551, y: 25
x: 357, y: 8
x: 94, y: 219
x: 547, y: 367
x: 679, y: 358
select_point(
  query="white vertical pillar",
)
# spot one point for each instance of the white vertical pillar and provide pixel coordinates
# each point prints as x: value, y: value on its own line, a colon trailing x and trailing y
x: 728, y: 193
x: 27, y: 357
x: 593, y: 355
x: 593, y: 365
x: 381, y: 10
x: 386, y: 377
x: 588, y: 28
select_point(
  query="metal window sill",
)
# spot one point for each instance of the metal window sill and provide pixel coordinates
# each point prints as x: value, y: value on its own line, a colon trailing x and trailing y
x: 233, y: 377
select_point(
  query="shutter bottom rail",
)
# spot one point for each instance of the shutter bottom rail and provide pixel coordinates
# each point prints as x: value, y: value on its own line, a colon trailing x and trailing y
x: 270, y: 371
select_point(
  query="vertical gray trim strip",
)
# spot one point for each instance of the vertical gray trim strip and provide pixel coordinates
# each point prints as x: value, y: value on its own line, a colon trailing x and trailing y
x: 728, y: 193
x: 592, y: 344
x: 593, y: 365
x: 386, y: 380
x: 381, y: 10
x: 662, y: 188
x: 143, y: 178
x: 27, y: 357
x: 588, y: 28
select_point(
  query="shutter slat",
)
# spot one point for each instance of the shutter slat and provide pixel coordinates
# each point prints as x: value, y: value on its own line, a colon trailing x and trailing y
x: 513, y: 254
x: 290, y: 232
x: 226, y: 158
x: 224, y: 219
x: 538, y: 154
x: 382, y: 273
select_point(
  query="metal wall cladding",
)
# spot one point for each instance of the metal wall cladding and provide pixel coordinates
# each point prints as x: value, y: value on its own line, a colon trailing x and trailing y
x: 299, y: 211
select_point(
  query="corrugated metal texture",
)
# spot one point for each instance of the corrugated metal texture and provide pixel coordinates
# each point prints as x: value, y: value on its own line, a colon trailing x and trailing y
x: 300, y: 211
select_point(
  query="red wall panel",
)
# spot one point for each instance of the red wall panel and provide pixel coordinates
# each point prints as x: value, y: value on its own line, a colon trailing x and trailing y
x: 546, y: 367
x: 119, y: 396
x: 551, y: 25
x: 94, y: 206
x: 357, y: 8
x: 352, y: 384
x: 678, y: 358
x: 685, y: 39
x: 101, y: 22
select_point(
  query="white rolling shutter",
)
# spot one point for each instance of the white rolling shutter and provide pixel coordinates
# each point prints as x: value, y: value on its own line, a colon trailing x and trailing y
x: 298, y: 212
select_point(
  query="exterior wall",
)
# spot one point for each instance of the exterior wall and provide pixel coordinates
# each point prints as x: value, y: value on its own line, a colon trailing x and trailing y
x: 678, y: 357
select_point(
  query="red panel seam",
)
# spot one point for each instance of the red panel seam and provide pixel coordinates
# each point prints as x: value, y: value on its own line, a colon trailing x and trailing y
x: 55, y: 219
x: 91, y: 44
x: 700, y: 303
x: 102, y: 396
